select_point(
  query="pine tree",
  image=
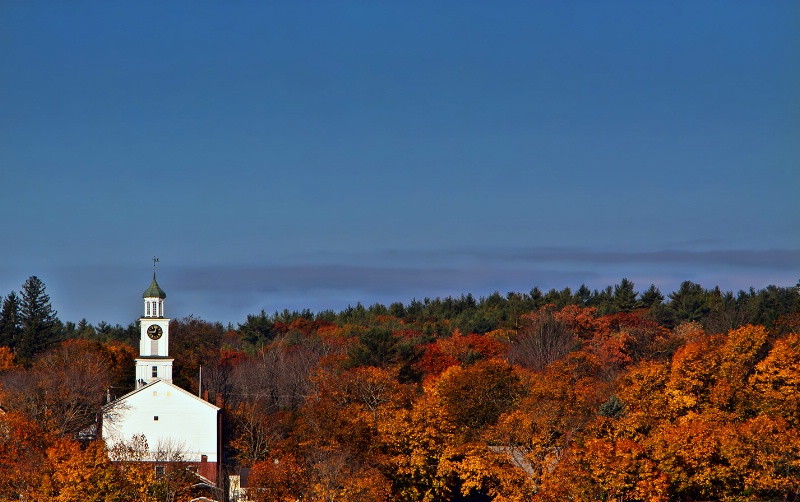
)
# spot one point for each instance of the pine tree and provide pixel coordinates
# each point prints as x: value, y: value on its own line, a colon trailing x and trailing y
x: 690, y: 302
x: 40, y: 326
x: 651, y: 297
x: 10, y: 327
x: 624, y: 296
x: 603, y: 300
x: 583, y: 295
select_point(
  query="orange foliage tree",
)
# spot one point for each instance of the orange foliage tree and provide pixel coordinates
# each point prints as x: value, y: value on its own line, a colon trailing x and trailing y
x: 776, y: 380
x: 560, y: 403
x: 63, y: 390
x: 475, y: 396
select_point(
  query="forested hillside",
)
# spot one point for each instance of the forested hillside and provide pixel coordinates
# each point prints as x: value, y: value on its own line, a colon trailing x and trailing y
x: 565, y: 395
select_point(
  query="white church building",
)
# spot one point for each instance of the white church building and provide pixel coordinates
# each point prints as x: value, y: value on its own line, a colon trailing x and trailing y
x: 170, y: 418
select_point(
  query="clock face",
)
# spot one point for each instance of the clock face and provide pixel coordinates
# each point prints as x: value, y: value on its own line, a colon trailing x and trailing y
x: 154, y: 331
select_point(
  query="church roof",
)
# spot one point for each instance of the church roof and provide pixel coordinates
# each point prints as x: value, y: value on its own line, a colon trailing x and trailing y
x: 154, y: 383
x: 154, y: 291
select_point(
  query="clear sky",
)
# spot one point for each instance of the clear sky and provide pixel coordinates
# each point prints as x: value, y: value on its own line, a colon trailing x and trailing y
x: 317, y: 154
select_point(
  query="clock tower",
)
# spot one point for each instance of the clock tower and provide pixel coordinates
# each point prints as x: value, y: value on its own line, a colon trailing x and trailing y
x: 153, y: 362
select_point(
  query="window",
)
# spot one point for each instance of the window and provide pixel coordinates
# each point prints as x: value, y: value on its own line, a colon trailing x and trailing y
x: 155, y: 418
x: 154, y: 372
x: 160, y: 308
x: 160, y: 470
x: 148, y: 308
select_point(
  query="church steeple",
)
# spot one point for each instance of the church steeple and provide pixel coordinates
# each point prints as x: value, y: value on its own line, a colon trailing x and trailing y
x: 153, y: 362
x: 154, y: 297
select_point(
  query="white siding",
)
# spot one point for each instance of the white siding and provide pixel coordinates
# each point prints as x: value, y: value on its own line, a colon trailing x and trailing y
x: 183, y: 419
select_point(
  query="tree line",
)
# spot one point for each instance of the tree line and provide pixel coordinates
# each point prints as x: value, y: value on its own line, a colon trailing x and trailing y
x: 588, y: 395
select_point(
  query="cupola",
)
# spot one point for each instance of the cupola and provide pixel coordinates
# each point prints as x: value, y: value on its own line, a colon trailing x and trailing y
x: 154, y: 300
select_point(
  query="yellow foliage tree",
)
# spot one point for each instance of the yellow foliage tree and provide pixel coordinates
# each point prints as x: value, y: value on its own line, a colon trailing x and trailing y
x: 693, y: 373
x: 71, y: 473
x: 695, y: 454
x: 418, y: 442
x: 6, y: 359
x: 776, y: 380
x: 606, y: 469
x: 737, y: 359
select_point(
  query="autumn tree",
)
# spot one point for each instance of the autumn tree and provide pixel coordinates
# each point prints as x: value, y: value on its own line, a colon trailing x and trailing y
x: 74, y: 473
x: 279, y: 479
x: 642, y: 399
x: 776, y: 380
x: 255, y: 432
x: 279, y: 375
x: 137, y: 475
x: 64, y: 388
x: 693, y: 452
x: 542, y: 339
x: 468, y: 349
x: 741, y: 350
x: 561, y: 401
x: 22, y: 447
x: 605, y: 469
x: 153, y: 472
x: 475, y: 396
x: 6, y: 360
x: 267, y: 388
x: 767, y: 451
x: 693, y: 373
x: 434, y: 361
x: 419, y: 443
x: 195, y: 343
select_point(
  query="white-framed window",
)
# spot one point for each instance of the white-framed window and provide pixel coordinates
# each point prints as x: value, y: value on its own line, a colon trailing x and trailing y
x: 148, y: 309
x: 154, y: 372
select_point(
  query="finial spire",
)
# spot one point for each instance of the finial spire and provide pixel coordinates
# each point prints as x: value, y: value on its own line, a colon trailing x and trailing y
x: 155, y: 260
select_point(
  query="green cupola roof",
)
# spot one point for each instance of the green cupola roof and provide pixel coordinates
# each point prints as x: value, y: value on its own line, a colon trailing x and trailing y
x: 154, y: 291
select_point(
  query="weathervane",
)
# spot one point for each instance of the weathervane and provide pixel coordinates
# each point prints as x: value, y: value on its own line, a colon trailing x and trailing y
x: 155, y: 260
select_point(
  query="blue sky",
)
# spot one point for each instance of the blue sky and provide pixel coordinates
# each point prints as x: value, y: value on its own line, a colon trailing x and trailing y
x: 318, y: 154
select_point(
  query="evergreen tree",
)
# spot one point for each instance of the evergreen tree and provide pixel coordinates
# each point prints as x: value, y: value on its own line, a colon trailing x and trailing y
x: 537, y: 298
x: 603, y: 301
x: 583, y: 295
x: 40, y: 326
x: 257, y: 330
x: 397, y: 309
x: 10, y: 327
x: 651, y: 297
x: 624, y: 296
x: 690, y: 302
x: 85, y: 330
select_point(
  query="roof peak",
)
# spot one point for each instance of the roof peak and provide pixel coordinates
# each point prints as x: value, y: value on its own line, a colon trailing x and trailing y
x: 154, y: 291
